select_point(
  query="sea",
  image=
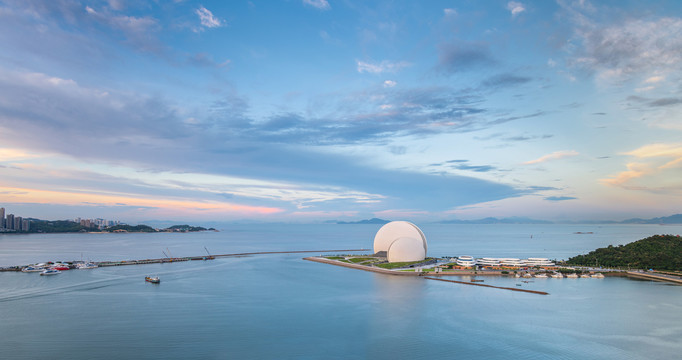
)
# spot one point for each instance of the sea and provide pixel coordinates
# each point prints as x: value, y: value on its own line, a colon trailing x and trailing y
x: 279, y: 306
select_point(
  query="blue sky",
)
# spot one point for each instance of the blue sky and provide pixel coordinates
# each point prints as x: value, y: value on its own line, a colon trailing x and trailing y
x: 314, y: 110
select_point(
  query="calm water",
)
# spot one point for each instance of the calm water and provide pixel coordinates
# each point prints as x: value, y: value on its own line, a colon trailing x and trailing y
x: 279, y: 306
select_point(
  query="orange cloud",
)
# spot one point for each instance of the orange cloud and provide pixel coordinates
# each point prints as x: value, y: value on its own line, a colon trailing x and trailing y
x: 553, y: 156
x: 36, y: 196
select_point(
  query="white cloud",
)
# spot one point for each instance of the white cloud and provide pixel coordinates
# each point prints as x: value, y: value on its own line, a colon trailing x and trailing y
x: 553, y: 156
x: 384, y: 66
x: 390, y: 83
x: 320, y: 4
x: 654, y: 79
x: 450, y: 12
x: 207, y: 18
x: 515, y: 8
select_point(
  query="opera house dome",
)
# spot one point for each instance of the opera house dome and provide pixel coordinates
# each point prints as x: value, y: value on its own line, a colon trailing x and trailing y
x: 400, y: 241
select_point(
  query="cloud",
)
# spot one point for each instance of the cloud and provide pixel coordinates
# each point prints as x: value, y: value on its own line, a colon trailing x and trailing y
x: 207, y: 19
x: 153, y: 135
x: 140, y: 32
x: 515, y: 8
x: 205, y: 60
x: 390, y: 83
x: 449, y: 12
x: 626, y: 49
x: 461, y: 56
x: 506, y: 80
x: 382, y: 67
x: 318, y: 4
x: 560, y: 198
x: 553, y: 156
x: 659, y: 166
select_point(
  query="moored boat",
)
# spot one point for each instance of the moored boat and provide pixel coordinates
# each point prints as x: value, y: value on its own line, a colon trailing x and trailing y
x: 50, y: 272
x: 31, y: 268
x: 86, y: 266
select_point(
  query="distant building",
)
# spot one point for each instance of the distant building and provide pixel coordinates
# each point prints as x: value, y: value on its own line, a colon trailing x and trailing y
x: 17, y: 223
x: 2, y: 218
x: 25, y: 225
x: 9, y: 221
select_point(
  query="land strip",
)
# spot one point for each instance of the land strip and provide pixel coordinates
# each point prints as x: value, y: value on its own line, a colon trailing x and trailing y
x: 490, y: 286
x: 656, y: 277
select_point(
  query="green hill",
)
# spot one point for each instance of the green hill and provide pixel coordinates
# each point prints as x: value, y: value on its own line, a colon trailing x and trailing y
x: 659, y: 252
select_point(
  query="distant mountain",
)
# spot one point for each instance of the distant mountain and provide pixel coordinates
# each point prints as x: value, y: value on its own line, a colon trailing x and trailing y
x: 492, y: 220
x: 672, y: 219
x: 370, y: 221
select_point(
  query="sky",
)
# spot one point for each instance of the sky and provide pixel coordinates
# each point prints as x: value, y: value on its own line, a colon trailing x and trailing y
x: 317, y: 110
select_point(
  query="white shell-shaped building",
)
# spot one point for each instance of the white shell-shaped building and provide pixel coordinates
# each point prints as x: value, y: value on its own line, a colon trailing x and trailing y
x: 402, y: 241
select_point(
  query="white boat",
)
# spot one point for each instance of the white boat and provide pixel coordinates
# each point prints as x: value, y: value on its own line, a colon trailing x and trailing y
x: 50, y: 272
x: 466, y: 261
x: 598, y: 275
x: 86, y: 266
x: 32, y: 269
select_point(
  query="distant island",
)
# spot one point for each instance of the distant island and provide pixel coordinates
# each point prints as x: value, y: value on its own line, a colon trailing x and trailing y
x: 370, y: 221
x: 68, y: 226
x: 659, y: 252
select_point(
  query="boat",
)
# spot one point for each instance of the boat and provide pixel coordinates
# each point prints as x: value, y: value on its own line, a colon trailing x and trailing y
x: 86, y: 266
x: 153, y: 280
x: 50, y: 272
x: 60, y: 267
x: 32, y: 269
x: 598, y: 275
x: 477, y: 280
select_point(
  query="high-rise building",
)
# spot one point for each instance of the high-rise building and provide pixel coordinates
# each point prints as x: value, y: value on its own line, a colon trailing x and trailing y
x: 9, y: 221
x: 2, y: 218
x: 25, y: 225
x: 17, y: 223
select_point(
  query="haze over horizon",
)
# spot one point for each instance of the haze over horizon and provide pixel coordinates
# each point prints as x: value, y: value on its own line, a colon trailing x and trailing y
x: 312, y: 110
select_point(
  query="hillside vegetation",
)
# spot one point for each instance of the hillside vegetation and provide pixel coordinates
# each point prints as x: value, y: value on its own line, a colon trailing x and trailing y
x: 659, y: 252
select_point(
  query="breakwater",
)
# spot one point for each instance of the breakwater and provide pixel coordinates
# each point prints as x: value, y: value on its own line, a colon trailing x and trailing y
x: 190, y: 258
x: 490, y: 286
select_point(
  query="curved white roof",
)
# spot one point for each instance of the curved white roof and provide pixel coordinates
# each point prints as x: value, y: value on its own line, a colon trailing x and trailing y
x: 394, y: 230
x: 405, y: 249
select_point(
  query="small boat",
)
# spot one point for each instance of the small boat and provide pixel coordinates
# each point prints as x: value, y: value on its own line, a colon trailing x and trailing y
x: 477, y: 280
x: 60, y: 267
x: 32, y: 269
x: 50, y: 272
x: 86, y: 266
x: 153, y: 280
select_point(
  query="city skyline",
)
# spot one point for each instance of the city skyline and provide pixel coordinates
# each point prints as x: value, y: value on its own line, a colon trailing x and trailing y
x: 315, y: 110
